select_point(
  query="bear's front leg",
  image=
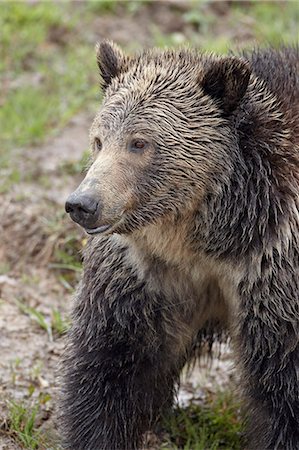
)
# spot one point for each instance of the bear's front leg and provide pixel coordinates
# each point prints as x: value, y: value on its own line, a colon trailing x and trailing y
x: 124, y: 355
x: 269, y: 352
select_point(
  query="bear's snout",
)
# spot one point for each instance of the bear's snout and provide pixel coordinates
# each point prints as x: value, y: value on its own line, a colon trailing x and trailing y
x: 83, y: 209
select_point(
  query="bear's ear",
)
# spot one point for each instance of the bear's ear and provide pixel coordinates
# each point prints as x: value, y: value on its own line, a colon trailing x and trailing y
x: 111, y: 61
x: 226, y: 80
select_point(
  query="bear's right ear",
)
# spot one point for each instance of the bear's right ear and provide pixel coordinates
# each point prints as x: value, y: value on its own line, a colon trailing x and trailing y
x: 226, y: 80
x: 111, y: 61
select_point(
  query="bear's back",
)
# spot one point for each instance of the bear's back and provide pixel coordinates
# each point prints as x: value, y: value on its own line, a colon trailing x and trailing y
x: 280, y: 70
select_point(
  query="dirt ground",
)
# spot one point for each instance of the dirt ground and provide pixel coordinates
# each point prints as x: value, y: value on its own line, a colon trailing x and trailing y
x: 29, y: 355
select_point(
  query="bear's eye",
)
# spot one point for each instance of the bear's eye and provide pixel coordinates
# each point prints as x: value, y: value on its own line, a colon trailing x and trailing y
x: 97, y: 144
x: 138, y: 145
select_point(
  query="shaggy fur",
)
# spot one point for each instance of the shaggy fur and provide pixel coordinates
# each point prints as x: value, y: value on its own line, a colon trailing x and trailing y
x: 204, y: 232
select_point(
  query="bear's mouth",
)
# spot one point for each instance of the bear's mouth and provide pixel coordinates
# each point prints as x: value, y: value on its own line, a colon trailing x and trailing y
x: 98, y: 230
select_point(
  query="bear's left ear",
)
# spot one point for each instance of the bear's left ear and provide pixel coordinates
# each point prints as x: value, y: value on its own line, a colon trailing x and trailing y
x: 111, y: 61
x: 226, y: 80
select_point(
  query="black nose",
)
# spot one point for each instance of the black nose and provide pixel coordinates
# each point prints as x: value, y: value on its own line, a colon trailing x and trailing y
x: 83, y: 208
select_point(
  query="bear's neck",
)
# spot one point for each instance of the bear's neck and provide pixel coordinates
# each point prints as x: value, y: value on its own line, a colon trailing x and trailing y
x: 251, y: 206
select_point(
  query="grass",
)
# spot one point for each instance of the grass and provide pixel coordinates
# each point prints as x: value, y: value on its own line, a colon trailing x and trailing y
x: 54, y: 324
x: 22, y: 424
x: 216, y: 425
x: 24, y: 420
x: 265, y: 22
x: 43, y: 84
x: 274, y: 23
x: 31, y: 112
x: 60, y: 325
x: 213, y: 426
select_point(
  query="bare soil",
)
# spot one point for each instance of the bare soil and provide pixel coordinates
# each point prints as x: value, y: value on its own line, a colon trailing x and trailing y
x: 29, y: 356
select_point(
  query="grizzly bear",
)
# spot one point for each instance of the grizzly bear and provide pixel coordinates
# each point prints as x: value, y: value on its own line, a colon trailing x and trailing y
x: 192, y: 204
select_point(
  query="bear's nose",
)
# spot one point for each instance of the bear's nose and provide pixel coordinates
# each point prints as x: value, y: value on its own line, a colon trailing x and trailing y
x: 82, y: 208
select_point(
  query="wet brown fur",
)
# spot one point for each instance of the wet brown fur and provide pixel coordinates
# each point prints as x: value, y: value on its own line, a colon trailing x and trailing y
x: 203, y: 238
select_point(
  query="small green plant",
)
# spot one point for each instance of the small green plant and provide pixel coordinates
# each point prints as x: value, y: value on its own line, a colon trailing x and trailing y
x: 14, y: 365
x: 52, y: 324
x: 216, y: 425
x: 24, y: 419
x: 37, y: 316
x: 35, y: 372
x: 59, y: 324
x: 22, y: 424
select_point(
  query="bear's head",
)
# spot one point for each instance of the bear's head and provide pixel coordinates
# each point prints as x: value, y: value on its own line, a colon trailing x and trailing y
x: 161, y: 138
